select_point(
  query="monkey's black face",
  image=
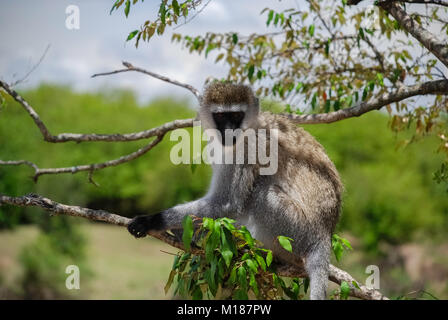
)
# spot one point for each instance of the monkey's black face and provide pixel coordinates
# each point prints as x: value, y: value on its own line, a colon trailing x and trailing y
x: 228, y: 120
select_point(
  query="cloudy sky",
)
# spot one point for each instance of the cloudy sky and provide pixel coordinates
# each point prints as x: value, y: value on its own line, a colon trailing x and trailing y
x: 27, y: 27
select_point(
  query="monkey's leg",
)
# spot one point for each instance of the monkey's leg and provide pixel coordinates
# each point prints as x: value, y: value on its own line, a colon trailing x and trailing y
x: 317, y: 265
x: 172, y: 218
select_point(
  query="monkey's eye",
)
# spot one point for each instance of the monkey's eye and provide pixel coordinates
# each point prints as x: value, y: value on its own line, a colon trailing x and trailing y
x: 218, y: 115
x: 237, y: 116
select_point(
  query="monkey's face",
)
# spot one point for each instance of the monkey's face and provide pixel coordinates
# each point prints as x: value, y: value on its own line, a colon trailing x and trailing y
x: 231, y: 120
x: 228, y: 108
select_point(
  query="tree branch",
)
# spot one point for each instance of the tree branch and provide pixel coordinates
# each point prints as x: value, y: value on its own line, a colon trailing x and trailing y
x: 87, y: 167
x: 78, y: 137
x: 431, y: 87
x: 436, y: 2
x: 426, y: 38
x: 130, y: 67
x: 336, y: 275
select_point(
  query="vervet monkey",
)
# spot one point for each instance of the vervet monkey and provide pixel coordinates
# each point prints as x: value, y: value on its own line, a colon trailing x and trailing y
x: 301, y: 200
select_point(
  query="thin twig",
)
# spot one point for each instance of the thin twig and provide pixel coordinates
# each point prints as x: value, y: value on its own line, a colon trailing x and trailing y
x: 33, y: 68
x: 130, y: 67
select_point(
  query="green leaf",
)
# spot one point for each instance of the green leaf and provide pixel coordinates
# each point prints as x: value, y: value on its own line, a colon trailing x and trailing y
x: 337, y: 105
x: 345, y: 290
x: 285, y: 242
x: 380, y: 78
x: 234, y: 38
x: 327, y: 47
x: 311, y: 30
x: 250, y: 72
x: 364, y: 93
x: 361, y: 33
x: 132, y: 35
x: 227, y: 241
x: 114, y: 6
x: 252, y: 265
x: 212, y: 243
x: 197, y: 293
x: 270, y: 17
x: 240, y: 294
x: 162, y: 12
x: 346, y: 243
x: 170, y: 281
x: 253, y: 284
x: 338, y: 250
x: 306, y: 285
x: 261, y: 262
x: 187, y: 235
x: 175, y: 5
x: 314, y: 101
x: 175, y: 262
x: 227, y: 255
x: 127, y: 8
x: 242, y: 277
x: 232, y: 277
x: 269, y: 258
x: 208, y: 223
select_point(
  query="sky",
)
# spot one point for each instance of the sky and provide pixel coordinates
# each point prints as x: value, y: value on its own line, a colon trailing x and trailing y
x: 27, y: 27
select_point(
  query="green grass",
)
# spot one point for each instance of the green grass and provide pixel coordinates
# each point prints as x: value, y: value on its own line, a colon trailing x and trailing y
x: 123, y: 267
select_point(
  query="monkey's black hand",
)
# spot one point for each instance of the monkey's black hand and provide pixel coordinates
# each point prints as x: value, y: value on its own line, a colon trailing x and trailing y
x: 141, y: 225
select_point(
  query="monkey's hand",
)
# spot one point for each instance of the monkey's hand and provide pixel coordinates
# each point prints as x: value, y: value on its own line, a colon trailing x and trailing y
x: 141, y: 225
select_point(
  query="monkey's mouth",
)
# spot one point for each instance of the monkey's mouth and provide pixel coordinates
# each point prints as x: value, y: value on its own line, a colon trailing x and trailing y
x: 228, y: 121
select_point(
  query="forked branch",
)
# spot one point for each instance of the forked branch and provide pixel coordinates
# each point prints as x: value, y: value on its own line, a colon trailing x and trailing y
x: 91, y: 168
x: 130, y: 67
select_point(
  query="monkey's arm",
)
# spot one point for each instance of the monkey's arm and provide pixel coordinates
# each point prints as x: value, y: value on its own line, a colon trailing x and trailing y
x: 172, y: 218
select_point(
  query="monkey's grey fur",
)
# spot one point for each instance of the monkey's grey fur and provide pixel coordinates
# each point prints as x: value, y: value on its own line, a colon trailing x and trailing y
x: 301, y: 200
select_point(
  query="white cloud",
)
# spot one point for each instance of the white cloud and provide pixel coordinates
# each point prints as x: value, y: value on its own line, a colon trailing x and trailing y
x: 28, y: 26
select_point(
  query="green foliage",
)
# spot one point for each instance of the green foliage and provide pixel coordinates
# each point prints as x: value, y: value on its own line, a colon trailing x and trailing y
x: 344, y: 290
x: 339, y: 245
x: 227, y: 262
x: 441, y: 175
x: 168, y: 14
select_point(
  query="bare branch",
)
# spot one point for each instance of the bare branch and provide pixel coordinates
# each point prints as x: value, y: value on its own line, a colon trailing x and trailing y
x: 130, y: 67
x: 64, y: 137
x: 43, y: 129
x: 431, y: 87
x: 336, y: 275
x: 426, y: 38
x: 158, y: 131
x: 87, y: 167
